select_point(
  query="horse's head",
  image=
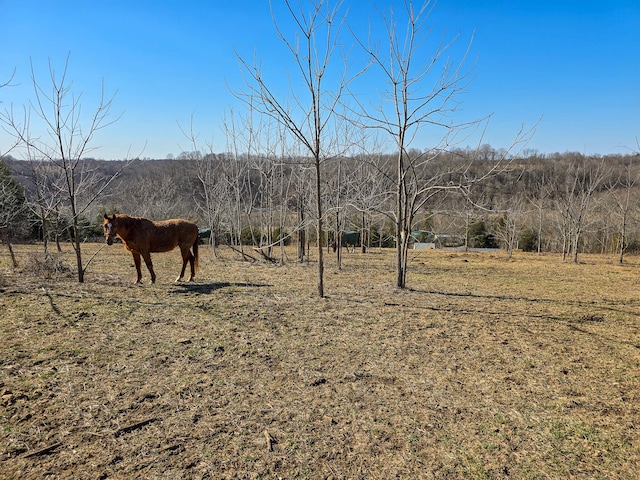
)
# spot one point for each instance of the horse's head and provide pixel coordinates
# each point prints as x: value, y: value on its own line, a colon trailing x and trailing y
x: 110, y: 226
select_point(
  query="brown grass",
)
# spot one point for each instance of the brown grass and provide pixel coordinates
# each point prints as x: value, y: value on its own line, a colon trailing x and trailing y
x: 485, y: 368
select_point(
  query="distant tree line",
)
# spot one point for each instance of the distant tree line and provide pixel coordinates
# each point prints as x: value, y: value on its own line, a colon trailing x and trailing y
x: 563, y: 202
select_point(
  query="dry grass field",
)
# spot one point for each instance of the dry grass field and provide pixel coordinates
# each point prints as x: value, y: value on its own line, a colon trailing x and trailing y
x: 486, y: 368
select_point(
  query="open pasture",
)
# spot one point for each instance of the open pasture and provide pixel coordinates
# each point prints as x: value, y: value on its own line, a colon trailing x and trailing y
x: 485, y: 368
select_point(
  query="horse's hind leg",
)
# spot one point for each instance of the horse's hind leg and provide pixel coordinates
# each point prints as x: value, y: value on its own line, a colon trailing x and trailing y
x: 192, y: 263
x: 193, y: 259
x: 185, y: 258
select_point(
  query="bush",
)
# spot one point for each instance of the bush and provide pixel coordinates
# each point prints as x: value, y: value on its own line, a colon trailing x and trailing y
x: 387, y: 236
x: 528, y: 241
x: 45, y: 265
x: 633, y: 246
x: 478, y: 237
x: 250, y: 236
x: 94, y: 231
x: 278, y: 234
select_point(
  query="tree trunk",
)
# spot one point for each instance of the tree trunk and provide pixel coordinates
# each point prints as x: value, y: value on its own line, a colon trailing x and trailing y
x: 14, y: 262
x: 623, y: 239
x: 319, y: 231
x: 575, y: 242
x: 338, y: 240
x: 401, y: 280
x: 363, y: 235
x: 77, y: 247
x: 302, y: 238
x: 540, y: 231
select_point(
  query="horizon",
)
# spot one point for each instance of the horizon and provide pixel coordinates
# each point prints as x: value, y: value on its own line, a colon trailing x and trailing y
x: 523, y: 154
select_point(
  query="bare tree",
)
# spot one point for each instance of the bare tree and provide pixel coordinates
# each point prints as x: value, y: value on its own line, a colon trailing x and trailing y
x: 241, y: 138
x: 624, y: 203
x: 212, y: 195
x: 508, y: 225
x: 421, y: 96
x: 417, y: 96
x: 12, y: 196
x: 46, y: 200
x: 301, y: 202
x: 12, y: 208
x: 370, y: 193
x: 574, y: 202
x: 223, y: 179
x: 539, y: 199
x: 69, y: 134
x: 273, y: 189
x: 308, y: 115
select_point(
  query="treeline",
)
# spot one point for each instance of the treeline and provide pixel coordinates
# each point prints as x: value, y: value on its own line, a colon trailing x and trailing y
x: 562, y: 202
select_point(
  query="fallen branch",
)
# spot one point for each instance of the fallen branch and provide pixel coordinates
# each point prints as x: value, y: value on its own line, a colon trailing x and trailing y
x: 245, y: 256
x: 264, y: 255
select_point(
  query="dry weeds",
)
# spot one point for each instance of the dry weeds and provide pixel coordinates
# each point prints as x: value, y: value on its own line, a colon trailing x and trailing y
x: 486, y: 368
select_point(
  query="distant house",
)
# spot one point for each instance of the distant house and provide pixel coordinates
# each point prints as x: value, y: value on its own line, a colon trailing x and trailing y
x: 425, y: 240
x: 445, y: 241
x: 424, y: 246
x: 422, y: 240
x: 422, y: 236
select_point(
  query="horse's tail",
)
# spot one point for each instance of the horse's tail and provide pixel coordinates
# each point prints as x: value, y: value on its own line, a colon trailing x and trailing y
x: 195, y: 254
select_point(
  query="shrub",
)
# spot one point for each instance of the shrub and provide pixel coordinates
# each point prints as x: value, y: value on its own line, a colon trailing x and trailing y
x: 250, y: 236
x: 528, y: 240
x: 633, y: 246
x: 384, y: 239
x: 278, y: 234
x: 478, y: 237
x: 47, y: 266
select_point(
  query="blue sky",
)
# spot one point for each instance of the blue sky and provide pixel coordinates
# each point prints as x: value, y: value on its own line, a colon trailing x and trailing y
x: 573, y: 64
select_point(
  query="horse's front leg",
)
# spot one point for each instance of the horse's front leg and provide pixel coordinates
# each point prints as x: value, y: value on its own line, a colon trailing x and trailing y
x: 147, y: 260
x: 136, y: 260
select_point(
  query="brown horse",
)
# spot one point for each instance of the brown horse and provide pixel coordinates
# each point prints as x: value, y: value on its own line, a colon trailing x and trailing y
x: 141, y: 237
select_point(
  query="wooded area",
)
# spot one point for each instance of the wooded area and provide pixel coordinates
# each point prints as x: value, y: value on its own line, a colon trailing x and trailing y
x: 566, y: 203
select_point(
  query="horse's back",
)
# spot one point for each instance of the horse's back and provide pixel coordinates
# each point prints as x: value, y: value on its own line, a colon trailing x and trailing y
x: 179, y: 226
x: 168, y: 234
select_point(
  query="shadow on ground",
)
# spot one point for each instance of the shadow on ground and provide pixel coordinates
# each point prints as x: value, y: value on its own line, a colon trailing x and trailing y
x: 206, y: 288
